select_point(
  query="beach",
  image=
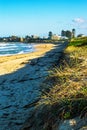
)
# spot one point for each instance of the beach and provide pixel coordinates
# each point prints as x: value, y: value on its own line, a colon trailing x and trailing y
x: 21, y: 78
x: 9, y: 64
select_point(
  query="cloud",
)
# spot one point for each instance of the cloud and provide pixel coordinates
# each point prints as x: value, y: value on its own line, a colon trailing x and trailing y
x: 83, y: 27
x: 78, y: 20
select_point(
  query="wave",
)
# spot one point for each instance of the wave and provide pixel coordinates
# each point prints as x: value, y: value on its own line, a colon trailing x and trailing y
x: 15, y: 48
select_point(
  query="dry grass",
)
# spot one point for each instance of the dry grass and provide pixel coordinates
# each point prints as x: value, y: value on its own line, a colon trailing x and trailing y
x: 64, y: 91
x: 67, y: 84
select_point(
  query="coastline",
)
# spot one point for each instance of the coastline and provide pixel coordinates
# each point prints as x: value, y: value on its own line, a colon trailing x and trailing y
x: 9, y: 64
x: 20, y: 83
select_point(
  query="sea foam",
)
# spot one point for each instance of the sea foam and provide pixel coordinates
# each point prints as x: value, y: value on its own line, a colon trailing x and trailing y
x: 15, y: 48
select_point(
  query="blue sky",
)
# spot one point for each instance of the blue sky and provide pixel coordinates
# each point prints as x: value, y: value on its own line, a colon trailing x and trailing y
x: 38, y: 17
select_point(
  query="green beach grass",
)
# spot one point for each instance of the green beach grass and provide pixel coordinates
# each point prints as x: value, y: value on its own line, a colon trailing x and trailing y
x: 65, y: 89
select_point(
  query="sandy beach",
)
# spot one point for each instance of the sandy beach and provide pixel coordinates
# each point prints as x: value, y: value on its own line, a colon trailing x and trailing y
x: 9, y: 64
x: 21, y: 77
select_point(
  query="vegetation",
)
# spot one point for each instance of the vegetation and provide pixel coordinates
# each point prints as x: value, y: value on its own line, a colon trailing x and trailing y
x: 78, y: 41
x: 65, y: 89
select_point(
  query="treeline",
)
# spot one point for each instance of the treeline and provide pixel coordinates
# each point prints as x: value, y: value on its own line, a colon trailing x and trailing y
x: 26, y: 39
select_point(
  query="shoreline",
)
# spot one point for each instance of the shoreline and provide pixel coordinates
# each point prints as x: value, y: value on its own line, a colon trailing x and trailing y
x: 11, y: 63
x: 20, y: 82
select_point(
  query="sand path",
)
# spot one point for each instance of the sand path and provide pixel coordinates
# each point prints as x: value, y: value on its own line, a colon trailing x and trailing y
x: 21, y: 77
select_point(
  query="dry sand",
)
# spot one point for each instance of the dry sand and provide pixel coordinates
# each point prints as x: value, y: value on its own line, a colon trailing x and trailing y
x: 21, y: 90
x: 9, y: 64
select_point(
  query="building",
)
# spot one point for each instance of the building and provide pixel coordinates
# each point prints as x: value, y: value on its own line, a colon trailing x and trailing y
x: 55, y: 37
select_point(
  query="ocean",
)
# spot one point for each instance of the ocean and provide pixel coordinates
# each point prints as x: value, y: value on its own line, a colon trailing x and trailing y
x: 15, y: 48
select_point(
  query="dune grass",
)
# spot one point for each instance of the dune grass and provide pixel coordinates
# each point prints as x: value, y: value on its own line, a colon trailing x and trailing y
x: 78, y: 41
x: 64, y: 92
x: 65, y: 89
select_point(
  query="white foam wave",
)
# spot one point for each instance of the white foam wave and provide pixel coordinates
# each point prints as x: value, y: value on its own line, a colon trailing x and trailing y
x: 14, y: 48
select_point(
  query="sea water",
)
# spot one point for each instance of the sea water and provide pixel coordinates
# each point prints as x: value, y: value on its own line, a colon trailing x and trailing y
x: 15, y: 48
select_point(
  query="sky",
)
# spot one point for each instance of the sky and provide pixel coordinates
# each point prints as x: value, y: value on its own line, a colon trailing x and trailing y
x: 38, y: 17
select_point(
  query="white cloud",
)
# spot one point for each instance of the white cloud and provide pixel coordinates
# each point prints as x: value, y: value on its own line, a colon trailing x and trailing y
x: 78, y: 20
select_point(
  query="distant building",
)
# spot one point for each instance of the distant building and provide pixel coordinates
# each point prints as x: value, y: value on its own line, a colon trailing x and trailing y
x: 5, y: 39
x: 69, y: 34
x: 73, y: 33
x: 21, y: 39
x: 55, y: 37
x: 52, y: 36
x: 34, y: 37
x: 64, y: 38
